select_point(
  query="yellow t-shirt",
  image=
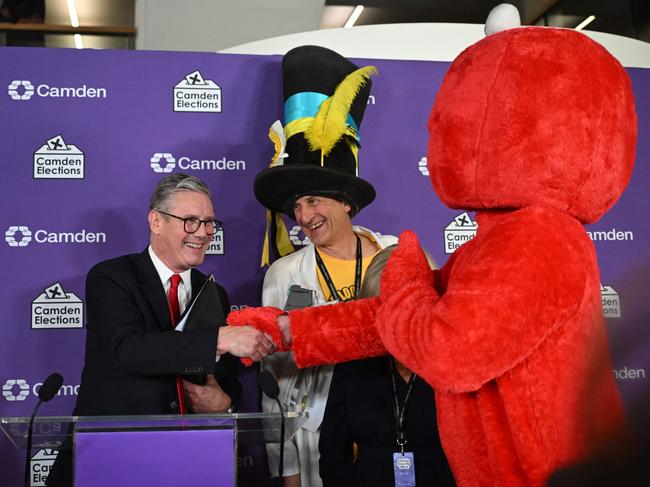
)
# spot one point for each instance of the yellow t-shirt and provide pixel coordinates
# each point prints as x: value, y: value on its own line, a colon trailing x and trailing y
x: 342, y: 274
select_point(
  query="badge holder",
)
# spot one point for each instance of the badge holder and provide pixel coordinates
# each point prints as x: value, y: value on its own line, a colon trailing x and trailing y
x: 403, y: 465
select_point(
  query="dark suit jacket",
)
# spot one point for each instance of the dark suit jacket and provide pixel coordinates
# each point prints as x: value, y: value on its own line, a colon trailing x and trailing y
x: 132, y: 354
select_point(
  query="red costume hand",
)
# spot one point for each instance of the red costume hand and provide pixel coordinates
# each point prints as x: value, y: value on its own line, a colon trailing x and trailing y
x: 264, y: 319
x: 406, y: 266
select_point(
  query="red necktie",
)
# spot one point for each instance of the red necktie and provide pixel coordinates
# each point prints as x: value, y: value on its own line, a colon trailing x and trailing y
x: 174, y: 307
x: 175, y: 311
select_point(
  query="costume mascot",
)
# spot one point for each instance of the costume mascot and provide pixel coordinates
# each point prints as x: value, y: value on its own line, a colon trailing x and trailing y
x: 534, y: 129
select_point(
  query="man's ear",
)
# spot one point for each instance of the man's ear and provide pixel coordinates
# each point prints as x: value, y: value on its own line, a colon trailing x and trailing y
x: 347, y: 208
x: 154, y: 222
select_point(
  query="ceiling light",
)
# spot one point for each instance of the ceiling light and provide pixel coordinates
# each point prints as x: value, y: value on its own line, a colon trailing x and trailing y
x: 74, y: 22
x: 586, y: 22
x: 72, y: 11
x: 354, y: 16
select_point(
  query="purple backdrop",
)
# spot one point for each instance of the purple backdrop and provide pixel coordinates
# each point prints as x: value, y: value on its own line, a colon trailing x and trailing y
x: 87, y: 134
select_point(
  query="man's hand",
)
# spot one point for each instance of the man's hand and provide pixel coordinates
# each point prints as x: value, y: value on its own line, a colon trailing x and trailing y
x: 285, y: 329
x: 208, y: 398
x: 244, y: 341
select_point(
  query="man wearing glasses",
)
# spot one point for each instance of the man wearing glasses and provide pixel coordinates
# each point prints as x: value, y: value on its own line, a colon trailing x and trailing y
x: 135, y: 360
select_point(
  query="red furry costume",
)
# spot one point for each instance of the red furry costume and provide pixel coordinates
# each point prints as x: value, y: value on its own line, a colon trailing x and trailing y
x: 534, y: 129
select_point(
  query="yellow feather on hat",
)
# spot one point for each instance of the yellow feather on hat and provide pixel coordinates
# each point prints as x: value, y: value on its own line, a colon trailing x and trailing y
x: 329, y: 123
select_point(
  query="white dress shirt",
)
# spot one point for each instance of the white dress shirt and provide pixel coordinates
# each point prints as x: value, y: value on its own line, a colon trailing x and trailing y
x: 165, y: 273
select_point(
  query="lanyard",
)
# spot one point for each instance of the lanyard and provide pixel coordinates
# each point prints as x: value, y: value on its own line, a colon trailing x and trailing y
x: 334, y: 296
x: 398, y: 411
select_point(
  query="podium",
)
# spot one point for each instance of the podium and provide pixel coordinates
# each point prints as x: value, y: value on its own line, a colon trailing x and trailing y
x: 164, y: 450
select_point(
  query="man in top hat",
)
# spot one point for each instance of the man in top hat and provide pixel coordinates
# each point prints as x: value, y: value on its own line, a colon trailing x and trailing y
x: 314, y: 180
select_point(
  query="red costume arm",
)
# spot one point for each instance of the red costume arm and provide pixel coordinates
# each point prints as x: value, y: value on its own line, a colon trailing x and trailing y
x: 335, y: 333
x: 510, y: 287
x: 320, y: 335
x: 343, y: 332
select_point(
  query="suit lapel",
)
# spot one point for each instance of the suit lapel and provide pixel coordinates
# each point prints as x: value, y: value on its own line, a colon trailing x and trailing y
x: 153, y: 289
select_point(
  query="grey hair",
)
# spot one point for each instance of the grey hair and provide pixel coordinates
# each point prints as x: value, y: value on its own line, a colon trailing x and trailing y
x: 372, y: 277
x: 172, y: 184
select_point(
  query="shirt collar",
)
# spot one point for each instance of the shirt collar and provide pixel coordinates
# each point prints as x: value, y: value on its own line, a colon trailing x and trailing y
x: 164, y: 272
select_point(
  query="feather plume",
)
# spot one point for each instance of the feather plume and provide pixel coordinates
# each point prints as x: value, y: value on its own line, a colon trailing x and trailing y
x: 277, y: 136
x: 329, y: 123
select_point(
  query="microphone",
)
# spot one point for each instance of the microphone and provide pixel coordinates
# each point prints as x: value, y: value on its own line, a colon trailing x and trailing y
x: 270, y: 387
x: 48, y: 390
x: 50, y: 387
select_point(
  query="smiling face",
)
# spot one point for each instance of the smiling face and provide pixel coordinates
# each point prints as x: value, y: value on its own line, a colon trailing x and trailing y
x: 325, y: 221
x: 177, y: 249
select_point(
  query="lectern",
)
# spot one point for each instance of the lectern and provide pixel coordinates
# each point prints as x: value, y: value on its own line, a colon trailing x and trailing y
x: 165, y: 451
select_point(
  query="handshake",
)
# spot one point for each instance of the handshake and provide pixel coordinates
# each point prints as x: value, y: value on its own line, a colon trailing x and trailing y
x: 255, y: 333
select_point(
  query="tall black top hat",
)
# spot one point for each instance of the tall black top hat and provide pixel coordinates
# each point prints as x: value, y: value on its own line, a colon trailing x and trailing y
x: 317, y: 151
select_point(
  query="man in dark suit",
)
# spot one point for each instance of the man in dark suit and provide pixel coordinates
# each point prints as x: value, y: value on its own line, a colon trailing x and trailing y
x: 135, y: 359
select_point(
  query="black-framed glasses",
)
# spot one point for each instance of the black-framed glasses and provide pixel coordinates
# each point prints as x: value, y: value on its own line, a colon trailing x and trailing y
x: 191, y: 224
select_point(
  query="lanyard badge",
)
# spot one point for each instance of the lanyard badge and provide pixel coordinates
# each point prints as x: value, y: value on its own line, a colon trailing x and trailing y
x: 403, y: 461
x: 404, y: 469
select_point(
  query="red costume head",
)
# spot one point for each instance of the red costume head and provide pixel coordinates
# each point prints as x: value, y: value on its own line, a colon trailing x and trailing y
x: 533, y: 116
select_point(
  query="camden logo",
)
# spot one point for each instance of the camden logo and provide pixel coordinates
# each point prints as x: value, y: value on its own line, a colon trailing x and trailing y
x: 216, y: 246
x: 611, y: 302
x: 162, y: 162
x: 165, y: 162
x: 18, y: 236
x: 21, y: 236
x: 298, y: 237
x: 40, y: 465
x: 15, y: 390
x: 54, y: 308
x: 422, y: 166
x: 197, y: 94
x: 20, y: 89
x: 57, y: 160
x: 25, y: 89
x: 461, y: 230
x: 18, y: 389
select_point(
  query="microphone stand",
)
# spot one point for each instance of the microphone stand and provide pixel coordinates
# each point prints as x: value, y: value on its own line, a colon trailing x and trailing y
x: 280, y: 469
x: 270, y: 387
x: 29, y: 441
x: 48, y: 390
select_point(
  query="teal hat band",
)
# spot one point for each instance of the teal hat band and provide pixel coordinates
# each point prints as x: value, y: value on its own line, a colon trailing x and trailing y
x: 306, y: 104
